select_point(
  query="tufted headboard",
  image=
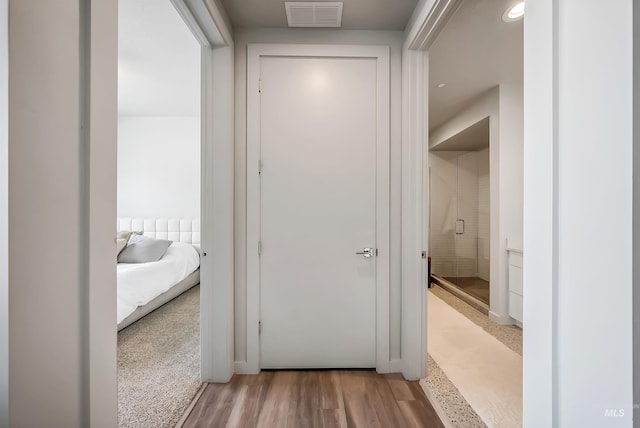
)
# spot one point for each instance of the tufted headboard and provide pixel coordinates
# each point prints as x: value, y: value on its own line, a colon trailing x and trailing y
x: 175, y: 229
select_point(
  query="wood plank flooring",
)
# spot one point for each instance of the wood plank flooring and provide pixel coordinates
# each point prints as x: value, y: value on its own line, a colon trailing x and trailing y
x: 317, y: 398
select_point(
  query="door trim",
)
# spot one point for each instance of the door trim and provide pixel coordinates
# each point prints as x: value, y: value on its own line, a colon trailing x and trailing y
x: 254, y: 54
x: 216, y: 212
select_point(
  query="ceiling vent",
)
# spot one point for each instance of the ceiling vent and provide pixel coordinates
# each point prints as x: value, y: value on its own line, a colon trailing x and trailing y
x: 314, y: 14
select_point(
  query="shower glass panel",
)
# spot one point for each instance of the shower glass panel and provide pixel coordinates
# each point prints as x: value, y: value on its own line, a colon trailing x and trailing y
x: 459, y: 221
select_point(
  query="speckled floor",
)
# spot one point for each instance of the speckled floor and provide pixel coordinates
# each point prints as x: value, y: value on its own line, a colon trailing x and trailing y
x: 499, y: 411
x: 454, y: 406
x: 510, y: 335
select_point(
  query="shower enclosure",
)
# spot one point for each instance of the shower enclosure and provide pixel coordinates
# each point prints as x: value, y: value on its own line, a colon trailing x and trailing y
x: 459, y: 221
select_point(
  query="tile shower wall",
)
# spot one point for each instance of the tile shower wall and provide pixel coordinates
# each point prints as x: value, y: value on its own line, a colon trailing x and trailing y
x: 467, y: 243
x: 483, y: 214
x: 443, y: 189
x: 460, y: 190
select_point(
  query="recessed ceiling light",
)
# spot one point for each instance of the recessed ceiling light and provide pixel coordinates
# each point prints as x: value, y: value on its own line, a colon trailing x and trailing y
x: 514, y: 13
x: 440, y: 85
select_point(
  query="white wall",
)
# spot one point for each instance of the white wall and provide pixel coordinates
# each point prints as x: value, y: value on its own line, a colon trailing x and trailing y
x: 62, y: 339
x: 578, y: 214
x: 158, y: 166
x: 593, y: 219
x: 4, y: 217
x: 503, y: 105
x: 242, y: 38
x: 511, y: 162
x: 636, y: 210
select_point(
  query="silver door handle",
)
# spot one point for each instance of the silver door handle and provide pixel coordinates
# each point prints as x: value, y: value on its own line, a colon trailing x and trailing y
x: 367, y: 252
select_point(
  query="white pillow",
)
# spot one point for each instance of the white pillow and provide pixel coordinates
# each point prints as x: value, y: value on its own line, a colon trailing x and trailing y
x: 141, y: 249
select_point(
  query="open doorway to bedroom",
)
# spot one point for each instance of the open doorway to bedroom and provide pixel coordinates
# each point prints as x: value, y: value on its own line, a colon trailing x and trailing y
x: 159, y: 206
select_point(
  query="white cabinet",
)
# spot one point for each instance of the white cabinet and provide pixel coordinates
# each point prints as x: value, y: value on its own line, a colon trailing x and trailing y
x: 515, y: 284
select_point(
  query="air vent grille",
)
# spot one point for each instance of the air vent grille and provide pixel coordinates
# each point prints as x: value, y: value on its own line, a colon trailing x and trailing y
x: 314, y: 14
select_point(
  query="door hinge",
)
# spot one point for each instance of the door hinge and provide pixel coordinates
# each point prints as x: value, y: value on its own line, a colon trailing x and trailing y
x: 259, y: 86
x: 259, y: 328
x: 259, y: 247
x: 259, y: 167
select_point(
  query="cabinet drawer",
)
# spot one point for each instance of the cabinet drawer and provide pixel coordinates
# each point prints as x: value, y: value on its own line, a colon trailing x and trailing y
x: 515, y: 306
x: 515, y: 279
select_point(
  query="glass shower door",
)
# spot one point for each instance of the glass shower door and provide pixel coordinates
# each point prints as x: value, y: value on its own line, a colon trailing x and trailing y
x: 459, y: 221
x: 467, y: 219
x: 443, y: 224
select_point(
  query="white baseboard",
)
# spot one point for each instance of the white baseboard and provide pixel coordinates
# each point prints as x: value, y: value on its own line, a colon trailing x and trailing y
x: 241, y: 367
x: 501, y: 319
x: 395, y: 365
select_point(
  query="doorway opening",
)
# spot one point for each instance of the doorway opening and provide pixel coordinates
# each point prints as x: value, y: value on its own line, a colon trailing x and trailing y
x: 474, y: 213
x: 459, y: 241
x: 159, y: 205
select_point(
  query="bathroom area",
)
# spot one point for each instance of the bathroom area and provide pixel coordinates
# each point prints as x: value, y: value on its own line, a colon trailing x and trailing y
x: 460, y: 215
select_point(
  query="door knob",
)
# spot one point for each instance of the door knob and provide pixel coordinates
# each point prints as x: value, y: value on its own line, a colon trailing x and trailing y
x: 367, y: 252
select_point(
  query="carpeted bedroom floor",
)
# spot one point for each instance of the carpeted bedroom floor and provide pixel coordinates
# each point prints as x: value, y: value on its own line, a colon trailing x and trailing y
x: 159, y: 364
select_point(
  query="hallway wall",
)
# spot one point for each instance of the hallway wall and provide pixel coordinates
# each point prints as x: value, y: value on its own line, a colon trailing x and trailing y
x: 62, y: 204
x: 4, y: 213
x: 578, y: 266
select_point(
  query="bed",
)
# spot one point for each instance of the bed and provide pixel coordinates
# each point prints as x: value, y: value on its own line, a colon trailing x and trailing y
x: 144, y: 287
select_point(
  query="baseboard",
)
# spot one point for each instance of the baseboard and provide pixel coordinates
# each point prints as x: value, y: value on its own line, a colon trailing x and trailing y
x: 501, y: 319
x: 241, y: 367
x: 436, y: 405
x: 395, y: 365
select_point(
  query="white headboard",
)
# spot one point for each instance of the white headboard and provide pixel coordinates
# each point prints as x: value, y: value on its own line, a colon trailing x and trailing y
x: 175, y: 229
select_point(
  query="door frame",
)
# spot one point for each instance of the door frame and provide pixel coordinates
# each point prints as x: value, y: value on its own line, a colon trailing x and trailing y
x: 381, y: 54
x: 424, y: 27
x: 211, y: 30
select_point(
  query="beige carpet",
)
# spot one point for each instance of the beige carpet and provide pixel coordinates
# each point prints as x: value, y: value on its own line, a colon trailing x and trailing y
x: 159, y: 364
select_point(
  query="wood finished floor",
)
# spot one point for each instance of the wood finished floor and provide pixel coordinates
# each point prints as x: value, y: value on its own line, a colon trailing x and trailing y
x: 322, y: 398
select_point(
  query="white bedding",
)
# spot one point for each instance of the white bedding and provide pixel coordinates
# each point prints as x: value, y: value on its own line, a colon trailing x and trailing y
x: 139, y: 283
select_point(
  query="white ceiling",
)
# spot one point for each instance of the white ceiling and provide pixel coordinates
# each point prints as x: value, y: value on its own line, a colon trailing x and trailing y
x: 158, y: 61
x: 474, y: 52
x: 356, y: 14
x: 475, y: 137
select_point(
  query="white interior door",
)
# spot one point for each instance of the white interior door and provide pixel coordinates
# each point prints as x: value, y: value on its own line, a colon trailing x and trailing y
x: 318, y: 209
